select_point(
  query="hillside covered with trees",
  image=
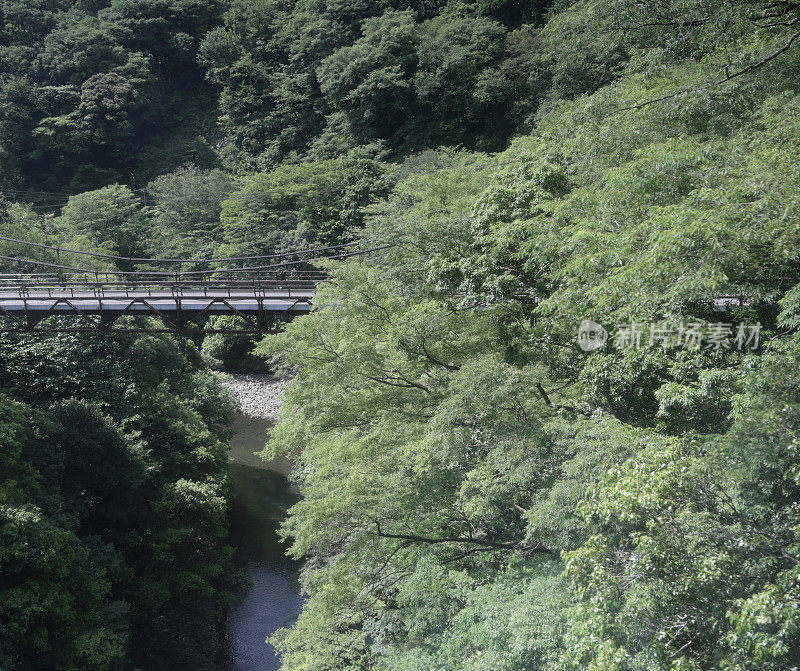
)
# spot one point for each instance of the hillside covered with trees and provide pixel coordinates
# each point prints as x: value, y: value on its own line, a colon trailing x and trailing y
x: 482, y: 490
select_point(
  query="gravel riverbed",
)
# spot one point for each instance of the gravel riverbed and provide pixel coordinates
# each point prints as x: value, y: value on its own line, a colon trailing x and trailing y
x: 259, y: 396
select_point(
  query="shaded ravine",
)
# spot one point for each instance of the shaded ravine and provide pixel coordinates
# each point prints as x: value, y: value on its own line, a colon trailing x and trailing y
x: 261, y: 496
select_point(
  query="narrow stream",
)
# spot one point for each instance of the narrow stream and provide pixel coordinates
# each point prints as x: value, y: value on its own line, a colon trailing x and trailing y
x: 261, y: 498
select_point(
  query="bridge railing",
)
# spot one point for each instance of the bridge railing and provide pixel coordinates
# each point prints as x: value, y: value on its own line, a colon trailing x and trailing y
x: 103, y: 283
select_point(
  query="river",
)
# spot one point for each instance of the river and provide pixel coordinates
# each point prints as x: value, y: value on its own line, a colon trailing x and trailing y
x: 261, y: 496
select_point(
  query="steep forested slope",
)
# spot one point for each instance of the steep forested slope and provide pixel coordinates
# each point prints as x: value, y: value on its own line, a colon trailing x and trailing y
x: 479, y: 491
x: 112, y: 505
x: 95, y: 92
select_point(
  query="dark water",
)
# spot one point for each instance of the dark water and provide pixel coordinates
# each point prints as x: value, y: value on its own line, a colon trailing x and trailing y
x: 261, y: 498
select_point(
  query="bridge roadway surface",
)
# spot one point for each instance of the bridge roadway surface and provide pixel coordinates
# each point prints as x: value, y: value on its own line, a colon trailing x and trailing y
x: 258, y: 306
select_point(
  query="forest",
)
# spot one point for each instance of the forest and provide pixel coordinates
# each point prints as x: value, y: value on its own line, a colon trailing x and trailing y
x: 552, y: 424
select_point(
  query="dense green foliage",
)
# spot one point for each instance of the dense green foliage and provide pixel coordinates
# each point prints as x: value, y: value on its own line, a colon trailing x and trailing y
x: 318, y: 78
x: 478, y: 492
x: 93, y: 92
x: 112, y: 495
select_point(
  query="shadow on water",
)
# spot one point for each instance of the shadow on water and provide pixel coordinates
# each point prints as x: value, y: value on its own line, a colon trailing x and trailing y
x: 260, y: 500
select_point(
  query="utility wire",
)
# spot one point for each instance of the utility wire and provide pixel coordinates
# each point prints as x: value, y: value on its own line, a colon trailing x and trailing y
x: 185, y: 273
x: 132, y: 259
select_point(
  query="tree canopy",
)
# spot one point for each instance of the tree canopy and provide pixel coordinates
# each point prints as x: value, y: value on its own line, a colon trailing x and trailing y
x: 482, y: 488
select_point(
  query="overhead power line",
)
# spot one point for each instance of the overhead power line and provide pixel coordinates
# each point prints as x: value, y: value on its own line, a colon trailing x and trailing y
x: 133, y: 259
x: 188, y: 273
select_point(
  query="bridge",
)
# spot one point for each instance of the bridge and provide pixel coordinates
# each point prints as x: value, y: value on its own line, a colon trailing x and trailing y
x: 72, y: 299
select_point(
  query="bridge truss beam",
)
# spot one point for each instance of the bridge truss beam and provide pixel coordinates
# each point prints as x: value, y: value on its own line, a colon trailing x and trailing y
x: 181, y: 315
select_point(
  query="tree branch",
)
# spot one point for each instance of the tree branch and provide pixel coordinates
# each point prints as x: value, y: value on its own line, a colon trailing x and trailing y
x: 436, y: 361
x: 494, y: 545
x: 550, y: 404
x: 405, y: 384
x: 726, y: 78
